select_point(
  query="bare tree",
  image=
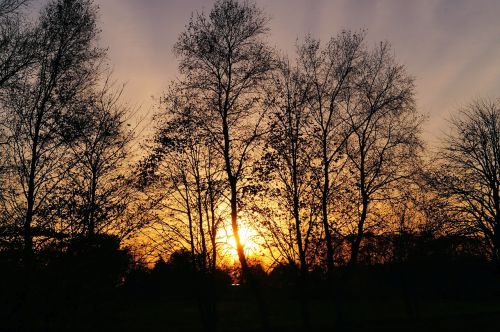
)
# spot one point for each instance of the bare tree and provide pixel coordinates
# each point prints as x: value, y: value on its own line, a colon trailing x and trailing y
x: 96, y: 192
x: 384, y: 132
x: 184, y: 167
x: 471, y: 160
x: 65, y: 67
x: 17, y: 42
x: 225, y: 60
x: 287, y: 166
x: 9, y: 7
x: 186, y: 177
x: 329, y: 71
x: 17, y: 50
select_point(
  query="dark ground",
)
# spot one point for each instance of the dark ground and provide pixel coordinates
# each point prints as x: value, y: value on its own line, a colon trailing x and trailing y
x: 374, y: 300
x: 240, y: 315
x: 98, y: 291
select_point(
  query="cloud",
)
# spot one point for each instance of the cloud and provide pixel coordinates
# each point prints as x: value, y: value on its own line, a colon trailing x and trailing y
x: 452, y: 47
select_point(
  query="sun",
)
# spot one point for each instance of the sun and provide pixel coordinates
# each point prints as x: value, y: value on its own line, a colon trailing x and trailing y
x: 248, y: 238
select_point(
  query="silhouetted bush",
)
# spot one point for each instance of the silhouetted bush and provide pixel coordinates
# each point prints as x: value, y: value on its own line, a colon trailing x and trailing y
x: 222, y: 279
x: 173, y: 279
x: 283, y: 275
x: 95, y: 263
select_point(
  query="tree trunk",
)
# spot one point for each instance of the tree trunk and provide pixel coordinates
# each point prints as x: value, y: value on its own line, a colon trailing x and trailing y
x: 359, y: 236
x: 496, y: 227
x: 212, y: 229
x: 30, y: 197
x: 304, y: 303
x: 91, y: 213
x: 234, y: 224
x: 202, y: 231
x: 302, y: 254
x: 246, y: 272
x: 324, y: 209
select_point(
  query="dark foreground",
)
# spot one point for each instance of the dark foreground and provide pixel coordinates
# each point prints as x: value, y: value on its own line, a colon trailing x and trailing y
x: 450, y: 297
x: 240, y: 315
x: 100, y: 288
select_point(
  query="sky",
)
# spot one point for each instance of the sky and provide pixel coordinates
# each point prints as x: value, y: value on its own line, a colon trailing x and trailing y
x: 451, y: 47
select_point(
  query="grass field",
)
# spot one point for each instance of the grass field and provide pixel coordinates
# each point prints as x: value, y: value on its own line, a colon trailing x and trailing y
x: 241, y: 315
x: 444, y: 298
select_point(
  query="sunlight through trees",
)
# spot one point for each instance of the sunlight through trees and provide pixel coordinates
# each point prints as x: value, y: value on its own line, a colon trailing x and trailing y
x: 261, y: 166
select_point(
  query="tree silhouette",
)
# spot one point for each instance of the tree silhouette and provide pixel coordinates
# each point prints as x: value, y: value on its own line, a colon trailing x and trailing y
x: 186, y: 176
x: 320, y: 155
x: 471, y: 179
x: 329, y: 71
x: 225, y: 61
x: 17, y: 50
x: 383, y: 131
x: 288, y: 168
x: 64, y: 67
x: 9, y: 7
x: 17, y: 42
x: 96, y: 190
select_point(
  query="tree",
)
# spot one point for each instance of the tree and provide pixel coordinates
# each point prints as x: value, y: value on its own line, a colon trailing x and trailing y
x: 9, y: 7
x: 471, y: 160
x: 17, y: 49
x: 329, y: 71
x: 184, y: 169
x: 17, y: 41
x: 225, y: 61
x: 383, y: 132
x: 96, y: 192
x: 65, y: 67
x: 288, y: 170
x: 185, y: 175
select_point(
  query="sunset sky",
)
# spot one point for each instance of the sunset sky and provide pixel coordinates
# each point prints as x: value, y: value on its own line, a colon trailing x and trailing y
x: 452, y: 47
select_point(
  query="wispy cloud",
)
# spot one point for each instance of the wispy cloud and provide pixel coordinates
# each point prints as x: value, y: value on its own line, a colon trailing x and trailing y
x: 452, y: 47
